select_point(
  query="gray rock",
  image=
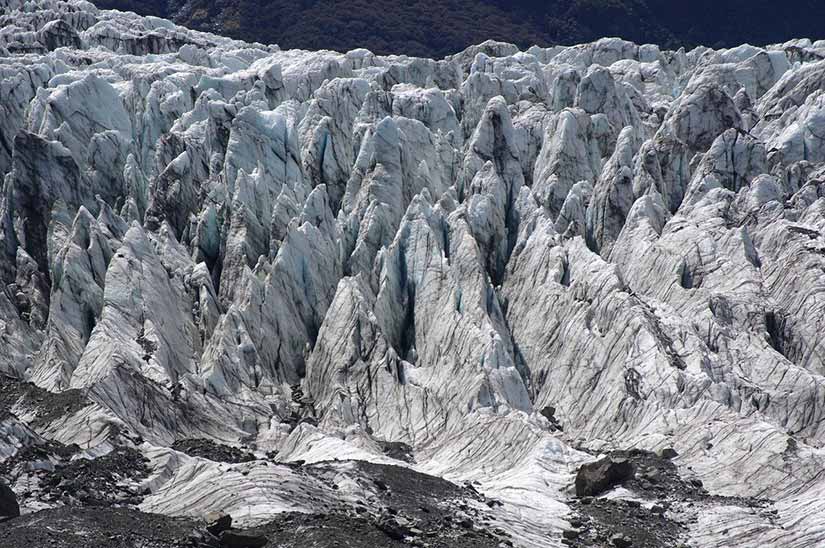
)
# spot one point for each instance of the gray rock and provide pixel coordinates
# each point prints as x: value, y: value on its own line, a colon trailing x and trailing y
x: 9, y: 507
x: 668, y: 453
x: 217, y: 524
x: 594, y: 478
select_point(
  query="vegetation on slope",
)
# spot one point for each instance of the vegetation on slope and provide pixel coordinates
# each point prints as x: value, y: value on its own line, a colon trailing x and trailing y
x: 437, y: 28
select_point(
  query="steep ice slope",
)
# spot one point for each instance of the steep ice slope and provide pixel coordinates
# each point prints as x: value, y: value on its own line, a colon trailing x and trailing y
x: 318, y: 255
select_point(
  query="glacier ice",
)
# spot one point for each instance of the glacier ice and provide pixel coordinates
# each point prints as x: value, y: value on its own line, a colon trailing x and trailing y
x: 318, y: 253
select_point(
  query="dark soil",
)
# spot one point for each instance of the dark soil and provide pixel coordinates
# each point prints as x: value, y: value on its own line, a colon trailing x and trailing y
x: 208, y: 449
x: 72, y: 527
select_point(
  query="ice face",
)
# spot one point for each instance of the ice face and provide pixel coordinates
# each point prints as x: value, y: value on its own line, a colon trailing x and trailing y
x: 321, y: 253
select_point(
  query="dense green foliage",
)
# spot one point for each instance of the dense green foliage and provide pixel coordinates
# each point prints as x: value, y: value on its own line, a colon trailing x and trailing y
x: 437, y: 28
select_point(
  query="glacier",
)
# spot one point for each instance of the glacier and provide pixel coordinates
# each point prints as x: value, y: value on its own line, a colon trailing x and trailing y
x: 509, y: 262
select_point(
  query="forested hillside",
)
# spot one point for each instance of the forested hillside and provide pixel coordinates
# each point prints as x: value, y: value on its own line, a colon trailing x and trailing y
x: 437, y: 28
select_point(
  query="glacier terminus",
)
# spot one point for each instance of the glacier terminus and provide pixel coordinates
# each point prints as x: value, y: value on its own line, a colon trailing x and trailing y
x: 567, y: 296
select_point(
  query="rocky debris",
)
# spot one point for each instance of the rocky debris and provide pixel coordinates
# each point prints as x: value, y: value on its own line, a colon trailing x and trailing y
x: 306, y: 530
x: 657, y: 478
x: 69, y: 527
x: 232, y: 539
x: 621, y: 541
x: 31, y: 457
x: 404, y: 507
x: 594, y: 478
x: 671, y: 504
x: 44, y: 406
x: 409, y: 506
x: 398, y: 450
x: 102, y: 481
x: 9, y: 508
x: 613, y: 522
x: 393, y: 529
x: 358, y: 531
x: 211, y: 450
x: 412, y: 491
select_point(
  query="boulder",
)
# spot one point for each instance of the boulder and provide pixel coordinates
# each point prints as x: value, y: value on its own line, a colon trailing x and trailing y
x: 218, y: 523
x: 597, y: 477
x: 668, y: 453
x: 393, y: 529
x: 8, y: 503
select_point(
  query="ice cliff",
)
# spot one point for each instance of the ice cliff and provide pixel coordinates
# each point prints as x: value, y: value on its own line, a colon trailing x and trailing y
x: 508, y: 261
